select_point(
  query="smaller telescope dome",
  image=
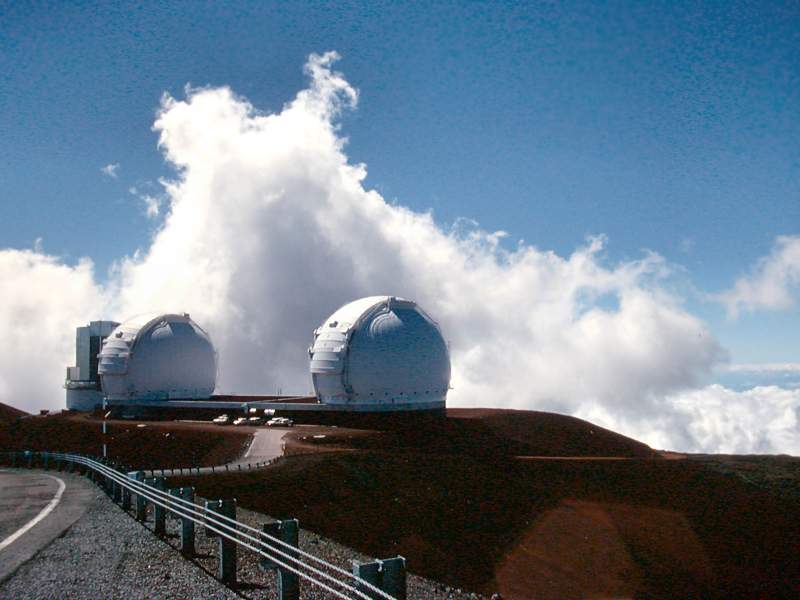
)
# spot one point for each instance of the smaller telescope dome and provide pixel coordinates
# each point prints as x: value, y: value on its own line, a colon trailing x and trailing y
x: 158, y: 357
x: 380, y: 353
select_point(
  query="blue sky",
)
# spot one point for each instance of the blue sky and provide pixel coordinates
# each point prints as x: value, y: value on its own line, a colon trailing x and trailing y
x: 673, y: 127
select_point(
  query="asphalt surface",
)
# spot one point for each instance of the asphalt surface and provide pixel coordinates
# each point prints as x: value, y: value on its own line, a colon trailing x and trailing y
x: 267, y: 444
x: 24, y: 495
x: 108, y: 554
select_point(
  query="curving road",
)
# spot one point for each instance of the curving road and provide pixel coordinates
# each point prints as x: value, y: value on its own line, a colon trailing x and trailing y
x: 35, y: 508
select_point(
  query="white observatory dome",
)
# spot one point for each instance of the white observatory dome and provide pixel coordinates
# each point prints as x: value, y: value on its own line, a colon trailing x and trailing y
x: 380, y: 353
x: 158, y: 357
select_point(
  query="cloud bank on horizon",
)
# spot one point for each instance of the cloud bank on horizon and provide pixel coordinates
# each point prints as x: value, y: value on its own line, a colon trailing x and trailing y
x: 267, y: 229
x: 773, y: 283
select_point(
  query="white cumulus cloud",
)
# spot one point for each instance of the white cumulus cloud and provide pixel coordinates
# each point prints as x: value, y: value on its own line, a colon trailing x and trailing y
x: 42, y: 300
x: 111, y: 170
x: 761, y: 420
x: 773, y: 283
x: 267, y: 229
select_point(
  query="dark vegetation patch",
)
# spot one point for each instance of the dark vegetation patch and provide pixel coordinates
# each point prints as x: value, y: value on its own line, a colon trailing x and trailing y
x: 153, y: 446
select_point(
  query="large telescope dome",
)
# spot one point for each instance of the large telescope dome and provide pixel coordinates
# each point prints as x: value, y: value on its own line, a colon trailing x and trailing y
x: 158, y: 357
x: 380, y: 353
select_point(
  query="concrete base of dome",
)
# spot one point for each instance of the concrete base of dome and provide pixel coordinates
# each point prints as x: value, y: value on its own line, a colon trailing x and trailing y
x: 245, y: 402
x: 84, y: 399
x: 390, y: 406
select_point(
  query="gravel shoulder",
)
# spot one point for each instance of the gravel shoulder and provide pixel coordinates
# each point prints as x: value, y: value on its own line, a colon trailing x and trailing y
x: 107, y: 554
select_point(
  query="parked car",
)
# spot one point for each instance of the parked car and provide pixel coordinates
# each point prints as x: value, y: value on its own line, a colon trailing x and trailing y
x: 221, y: 420
x: 240, y: 421
x: 280, y: 422
x: 256, y: 421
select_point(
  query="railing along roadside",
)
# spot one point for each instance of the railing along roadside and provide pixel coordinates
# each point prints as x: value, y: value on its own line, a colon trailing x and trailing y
x: 276, y: 543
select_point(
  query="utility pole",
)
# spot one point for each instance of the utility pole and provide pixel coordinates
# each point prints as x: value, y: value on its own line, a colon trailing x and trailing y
x: 106, y: 412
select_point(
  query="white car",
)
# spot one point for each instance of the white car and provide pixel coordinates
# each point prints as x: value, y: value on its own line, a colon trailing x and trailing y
x: 240, y: 421
x: 280, y: 422
x: 221, y: 420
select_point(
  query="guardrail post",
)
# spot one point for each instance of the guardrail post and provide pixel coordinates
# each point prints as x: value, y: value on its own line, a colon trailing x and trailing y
x: 151, y: 481
x: 210, y: 506
x: 187, y: 525
x: 13, y: 460
x: 117, y: 491
x: 109, y: 481
x: 159, y: 512
x: 227, y: 547
x: 141, y: 503
x: 394, y: 577
x: 45, y: 457
x: 387, y: 575
x: 126, y: 497
x: 29, y: 456
x: 288, y: 532
x: 106, y: 480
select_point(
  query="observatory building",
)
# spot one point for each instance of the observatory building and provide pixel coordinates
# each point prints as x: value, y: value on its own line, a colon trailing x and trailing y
x: 157, y: 357
x: 380, y: 353
x: 83, y: 383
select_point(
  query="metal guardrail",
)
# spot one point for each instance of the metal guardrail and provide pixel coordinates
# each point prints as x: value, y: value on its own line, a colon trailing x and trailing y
x: 237, y: 467
x: 375, y: 580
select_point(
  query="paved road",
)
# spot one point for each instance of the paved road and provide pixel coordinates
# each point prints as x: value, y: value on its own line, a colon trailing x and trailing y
x: 266, y: 444
x: 35, y: 508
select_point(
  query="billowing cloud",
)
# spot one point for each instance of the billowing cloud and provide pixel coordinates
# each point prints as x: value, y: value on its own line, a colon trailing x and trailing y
x: 267, y: 229
x: 111, y: 170
x: 42, y: 300
x: 773, y: 283
x: 761, y: 420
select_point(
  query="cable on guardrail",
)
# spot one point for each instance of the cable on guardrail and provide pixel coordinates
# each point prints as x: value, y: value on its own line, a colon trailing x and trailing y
x: 203, y: 518
x: 263, y: 535
x: 214, y: 522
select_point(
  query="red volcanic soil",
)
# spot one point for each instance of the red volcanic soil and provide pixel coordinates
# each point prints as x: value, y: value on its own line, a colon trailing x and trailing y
x: 452, y: 498
x: 490, y: 433
x: 550, y: 434
x: 530, y: 504
x: 157, y: 444
x: 9, y: 414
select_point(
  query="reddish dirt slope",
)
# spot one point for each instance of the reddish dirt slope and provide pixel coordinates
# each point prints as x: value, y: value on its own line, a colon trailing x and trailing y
x: 551, y: 434
x: 452, y: 498
x: 9, y: 414
x: 492, y: 433
x: 155, y: 445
